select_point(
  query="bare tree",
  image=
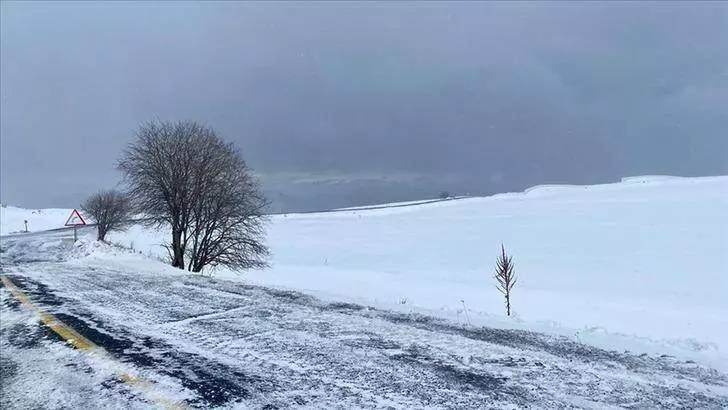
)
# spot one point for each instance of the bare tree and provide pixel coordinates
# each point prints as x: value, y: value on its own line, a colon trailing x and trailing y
x: 505, y: 277
x: 227, y: 223
x: 109, y: 209
x: 157, y: 170
x: 182, y: 175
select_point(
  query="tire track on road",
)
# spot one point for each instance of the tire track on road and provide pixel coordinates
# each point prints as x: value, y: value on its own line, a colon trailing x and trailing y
x: 80, y: 342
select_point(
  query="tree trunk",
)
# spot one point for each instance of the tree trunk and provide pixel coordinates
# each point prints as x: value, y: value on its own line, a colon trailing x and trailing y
x: 508, y: 304
x: 178, y: 255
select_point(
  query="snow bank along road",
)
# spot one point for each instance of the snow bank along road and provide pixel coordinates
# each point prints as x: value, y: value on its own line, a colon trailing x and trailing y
x: 199, y: 342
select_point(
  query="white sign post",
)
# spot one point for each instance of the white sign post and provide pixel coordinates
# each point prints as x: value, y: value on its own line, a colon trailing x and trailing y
x: 75, y: 220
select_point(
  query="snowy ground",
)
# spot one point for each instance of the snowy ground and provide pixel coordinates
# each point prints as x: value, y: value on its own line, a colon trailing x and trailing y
x: 12, y: 219
x: 639, y: 265
x: 616, y: 265
x: 215, y: 343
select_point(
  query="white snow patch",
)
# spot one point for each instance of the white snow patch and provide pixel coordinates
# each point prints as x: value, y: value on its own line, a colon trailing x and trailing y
x: 12, y: 219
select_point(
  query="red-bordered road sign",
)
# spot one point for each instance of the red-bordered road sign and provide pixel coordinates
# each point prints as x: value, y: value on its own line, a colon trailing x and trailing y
x: 75, y: 219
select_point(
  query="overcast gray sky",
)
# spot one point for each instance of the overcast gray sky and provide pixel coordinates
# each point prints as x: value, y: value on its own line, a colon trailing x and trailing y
x: 338, y: 104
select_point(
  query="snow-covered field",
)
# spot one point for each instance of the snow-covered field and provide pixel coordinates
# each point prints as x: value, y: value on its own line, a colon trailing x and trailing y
x: 12, y: 219
x: 639, y: 265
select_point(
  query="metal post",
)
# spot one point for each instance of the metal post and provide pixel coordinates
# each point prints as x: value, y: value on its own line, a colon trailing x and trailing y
x: 75, y: 235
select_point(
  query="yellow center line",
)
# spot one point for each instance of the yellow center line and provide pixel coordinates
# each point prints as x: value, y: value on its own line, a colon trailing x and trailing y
x: 81, y: 343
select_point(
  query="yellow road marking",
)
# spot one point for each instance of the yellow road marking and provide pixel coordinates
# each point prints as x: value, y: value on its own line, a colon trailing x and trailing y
x: 81, y: 343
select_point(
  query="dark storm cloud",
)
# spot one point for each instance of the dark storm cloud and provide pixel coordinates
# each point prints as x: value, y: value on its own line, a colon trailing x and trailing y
x: 342, y: 103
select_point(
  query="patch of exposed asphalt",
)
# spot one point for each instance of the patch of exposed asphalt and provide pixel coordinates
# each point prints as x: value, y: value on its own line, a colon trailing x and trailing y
x: 23, y: 335
x: 425, y: 375
x: 416, y: 355
x: 519, y: 339
x: 27, y: 336
x: 344, y: 307
x: 373, y: 341
x: 213, y: 383
x: 41, y: 293
x: 565, y: 348
x: 9, y: 302
x: 465, y: 378
x: 8, y: 370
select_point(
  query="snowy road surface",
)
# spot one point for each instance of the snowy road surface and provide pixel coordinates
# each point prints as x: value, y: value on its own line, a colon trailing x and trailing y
x: 213, y: 343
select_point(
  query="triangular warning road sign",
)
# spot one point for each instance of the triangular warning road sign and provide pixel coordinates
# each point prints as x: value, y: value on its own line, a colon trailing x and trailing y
x: 75, y: 219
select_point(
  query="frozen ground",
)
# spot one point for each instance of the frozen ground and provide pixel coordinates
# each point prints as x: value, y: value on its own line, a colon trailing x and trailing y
x: 215, y: 343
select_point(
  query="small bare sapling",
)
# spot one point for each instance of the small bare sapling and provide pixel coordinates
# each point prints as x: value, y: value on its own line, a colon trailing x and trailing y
x: 505, y: 277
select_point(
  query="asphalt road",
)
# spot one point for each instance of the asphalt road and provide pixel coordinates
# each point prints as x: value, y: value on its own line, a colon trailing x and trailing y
x: 210, y: 343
